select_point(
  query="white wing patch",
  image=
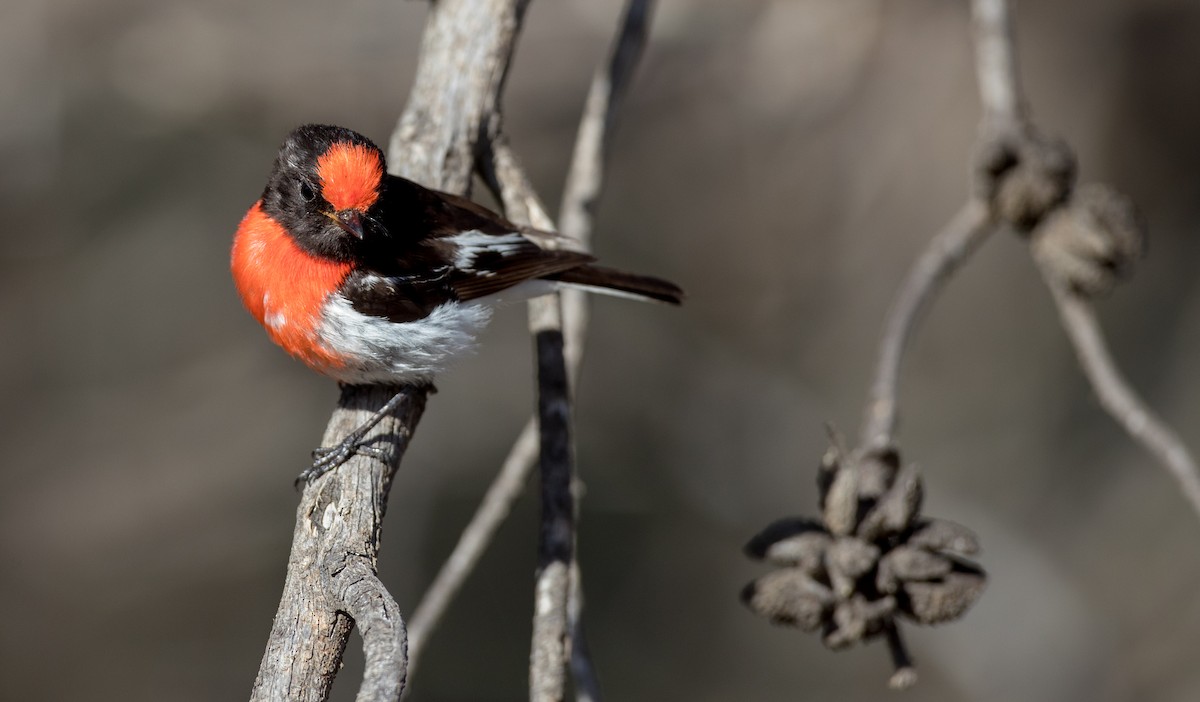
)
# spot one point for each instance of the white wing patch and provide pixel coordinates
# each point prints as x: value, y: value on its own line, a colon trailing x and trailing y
x: 472, y: 243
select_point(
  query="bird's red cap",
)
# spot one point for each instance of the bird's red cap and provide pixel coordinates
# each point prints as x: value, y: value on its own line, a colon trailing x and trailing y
x: 350, y: 176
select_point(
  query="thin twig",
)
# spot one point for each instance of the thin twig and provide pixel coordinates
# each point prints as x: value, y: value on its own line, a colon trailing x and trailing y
x: 581, y: 194
x: 1117, y: 398
x: 948, y: 249
x: 584, y: 185
x: 996, y: 63
x: 585, y: 177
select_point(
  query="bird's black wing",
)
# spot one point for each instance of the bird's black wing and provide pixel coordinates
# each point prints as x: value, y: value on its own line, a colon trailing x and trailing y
x: 479, y: 251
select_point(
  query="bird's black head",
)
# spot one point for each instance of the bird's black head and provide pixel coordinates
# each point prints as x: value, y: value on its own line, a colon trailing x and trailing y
x: 323, y: 186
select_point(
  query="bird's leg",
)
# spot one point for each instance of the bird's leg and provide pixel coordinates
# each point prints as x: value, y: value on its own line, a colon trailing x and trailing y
x: 327, y: 458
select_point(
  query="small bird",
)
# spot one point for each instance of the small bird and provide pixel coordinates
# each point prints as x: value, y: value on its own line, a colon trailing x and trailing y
x: 370, y: 278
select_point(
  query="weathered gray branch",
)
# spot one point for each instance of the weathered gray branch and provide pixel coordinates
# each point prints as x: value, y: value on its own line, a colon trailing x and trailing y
x: 455, y: 99
x: 331, y: 581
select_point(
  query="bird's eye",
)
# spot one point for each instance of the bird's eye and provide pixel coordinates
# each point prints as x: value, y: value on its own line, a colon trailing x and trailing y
x: 306, y: 191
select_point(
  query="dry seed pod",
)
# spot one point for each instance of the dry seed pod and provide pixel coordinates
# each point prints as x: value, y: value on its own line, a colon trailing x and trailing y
x: 1093, y: 242
x: 896, y: 509
x: 907, y: 563
x: 945, y: 599
x: 1024, y: 175
x: 944, y: 535
x: 794, y: 542
x: 790, y: 596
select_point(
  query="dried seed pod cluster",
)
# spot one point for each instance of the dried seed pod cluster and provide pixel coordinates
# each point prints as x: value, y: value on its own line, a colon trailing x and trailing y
x: 871, y: 557
x: 1086, y: 238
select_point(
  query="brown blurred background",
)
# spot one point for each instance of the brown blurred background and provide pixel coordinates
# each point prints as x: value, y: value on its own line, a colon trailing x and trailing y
x: 783, y: 160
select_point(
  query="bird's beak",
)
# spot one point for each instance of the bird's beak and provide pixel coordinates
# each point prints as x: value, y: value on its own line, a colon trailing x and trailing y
x: 350, y: 221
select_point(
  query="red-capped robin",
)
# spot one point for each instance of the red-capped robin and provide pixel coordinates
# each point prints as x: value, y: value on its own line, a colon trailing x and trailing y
x: 370, y: 278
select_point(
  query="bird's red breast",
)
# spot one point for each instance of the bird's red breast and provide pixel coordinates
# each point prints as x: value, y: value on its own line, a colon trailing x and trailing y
x: 285, y: 287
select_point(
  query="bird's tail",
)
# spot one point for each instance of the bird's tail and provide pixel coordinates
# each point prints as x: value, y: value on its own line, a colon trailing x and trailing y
x: 613, y: 282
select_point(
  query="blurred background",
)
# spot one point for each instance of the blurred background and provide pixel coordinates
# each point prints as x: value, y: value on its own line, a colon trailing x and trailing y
x: 784, y: 160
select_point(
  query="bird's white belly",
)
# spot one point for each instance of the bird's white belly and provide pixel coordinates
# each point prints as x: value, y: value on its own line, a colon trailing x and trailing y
x: 380, y: 351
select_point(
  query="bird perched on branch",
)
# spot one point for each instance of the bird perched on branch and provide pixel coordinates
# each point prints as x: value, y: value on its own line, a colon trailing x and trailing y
x: 370, y: 278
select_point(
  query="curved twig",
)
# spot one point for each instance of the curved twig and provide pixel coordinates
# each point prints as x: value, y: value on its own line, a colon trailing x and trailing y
x: 378, y: 618
x: 1118, y: 398
x: 948, y: 249
x: 1000, y: 93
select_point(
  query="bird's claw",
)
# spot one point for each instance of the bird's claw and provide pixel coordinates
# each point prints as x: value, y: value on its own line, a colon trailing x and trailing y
x: 327, y: 458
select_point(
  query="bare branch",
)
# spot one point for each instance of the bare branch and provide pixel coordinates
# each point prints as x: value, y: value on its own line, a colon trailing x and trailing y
x: 1120, y: 400
x: 585, y: 177
x: 547, y: 671
x: 331, y: 569
x: 948, y: 249
x: 465, y: 54
x: 582, y: 191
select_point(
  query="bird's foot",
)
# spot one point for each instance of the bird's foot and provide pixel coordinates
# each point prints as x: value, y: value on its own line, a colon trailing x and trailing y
x: 327, y: 458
